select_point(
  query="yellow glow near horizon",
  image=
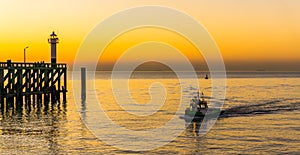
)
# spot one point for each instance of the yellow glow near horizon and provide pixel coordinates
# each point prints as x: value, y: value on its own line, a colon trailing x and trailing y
x: 149, y: 34
x: 248, y: 31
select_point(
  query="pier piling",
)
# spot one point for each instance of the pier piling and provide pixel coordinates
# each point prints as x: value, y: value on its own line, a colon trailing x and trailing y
x: 83, y: 83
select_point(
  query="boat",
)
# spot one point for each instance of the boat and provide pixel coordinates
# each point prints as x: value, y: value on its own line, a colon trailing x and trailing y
x: 198, y: 109
x: 206, y: 77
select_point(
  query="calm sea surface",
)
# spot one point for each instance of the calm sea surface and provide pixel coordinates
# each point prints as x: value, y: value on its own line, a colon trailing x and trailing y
x: 262, y: 116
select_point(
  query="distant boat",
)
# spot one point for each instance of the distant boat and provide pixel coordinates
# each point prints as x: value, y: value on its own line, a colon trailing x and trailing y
x: 206, y: 76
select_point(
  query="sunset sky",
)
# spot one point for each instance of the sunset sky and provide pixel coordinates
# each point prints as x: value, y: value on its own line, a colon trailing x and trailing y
x: 251, y: 34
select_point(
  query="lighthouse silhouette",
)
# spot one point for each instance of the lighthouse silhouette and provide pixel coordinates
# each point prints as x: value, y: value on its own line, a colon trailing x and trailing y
x: 53, y: 40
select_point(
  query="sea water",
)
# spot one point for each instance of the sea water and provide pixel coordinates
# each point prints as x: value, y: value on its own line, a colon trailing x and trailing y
x: 261, y: 116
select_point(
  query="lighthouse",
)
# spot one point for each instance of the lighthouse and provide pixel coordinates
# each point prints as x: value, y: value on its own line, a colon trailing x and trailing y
x: 53, y: 40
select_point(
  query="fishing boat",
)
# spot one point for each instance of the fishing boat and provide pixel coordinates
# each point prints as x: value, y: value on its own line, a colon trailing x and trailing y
x: 198, y: 109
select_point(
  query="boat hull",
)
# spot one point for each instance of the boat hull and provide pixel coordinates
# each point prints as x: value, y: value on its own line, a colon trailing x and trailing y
x: 199, y: 116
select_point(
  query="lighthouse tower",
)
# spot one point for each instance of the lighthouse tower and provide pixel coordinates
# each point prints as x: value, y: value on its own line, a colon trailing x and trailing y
x: 53, y: 40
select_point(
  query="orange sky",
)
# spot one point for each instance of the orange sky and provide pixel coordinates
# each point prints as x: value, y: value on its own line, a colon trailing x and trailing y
x: 255, y: 34
x: 141, y: 36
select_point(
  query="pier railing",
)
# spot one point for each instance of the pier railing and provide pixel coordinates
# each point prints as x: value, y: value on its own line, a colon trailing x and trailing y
x: 32, y: 82
x: 6, y: 65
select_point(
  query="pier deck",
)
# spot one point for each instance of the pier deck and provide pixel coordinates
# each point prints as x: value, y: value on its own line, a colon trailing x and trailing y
x: 32, y: 82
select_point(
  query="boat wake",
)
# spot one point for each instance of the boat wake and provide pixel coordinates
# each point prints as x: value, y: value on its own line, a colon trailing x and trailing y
x: 272, y: 107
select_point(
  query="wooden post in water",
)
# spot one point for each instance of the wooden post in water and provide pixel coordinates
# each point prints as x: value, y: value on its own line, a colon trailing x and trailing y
x: 83, y: 84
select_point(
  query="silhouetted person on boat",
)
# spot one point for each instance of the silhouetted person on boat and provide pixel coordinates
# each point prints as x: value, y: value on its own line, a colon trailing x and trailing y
x: 201, y: 102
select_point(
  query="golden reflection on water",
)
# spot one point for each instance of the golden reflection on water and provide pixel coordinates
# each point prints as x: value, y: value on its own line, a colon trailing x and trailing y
x: 140, y: 94
x: 58, y: 129
x: 32, y: 124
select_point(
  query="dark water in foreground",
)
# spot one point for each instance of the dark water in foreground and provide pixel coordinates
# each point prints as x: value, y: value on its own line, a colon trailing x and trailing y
x: 262, y: 116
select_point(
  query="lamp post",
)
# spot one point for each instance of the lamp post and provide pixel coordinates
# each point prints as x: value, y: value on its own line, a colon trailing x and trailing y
x: 25, y: 53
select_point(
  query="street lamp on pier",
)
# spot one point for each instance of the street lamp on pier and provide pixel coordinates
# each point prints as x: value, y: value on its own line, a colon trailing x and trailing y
x: 25, y: 53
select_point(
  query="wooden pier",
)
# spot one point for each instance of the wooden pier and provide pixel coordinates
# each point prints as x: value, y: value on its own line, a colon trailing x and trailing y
x: 32, y: 83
